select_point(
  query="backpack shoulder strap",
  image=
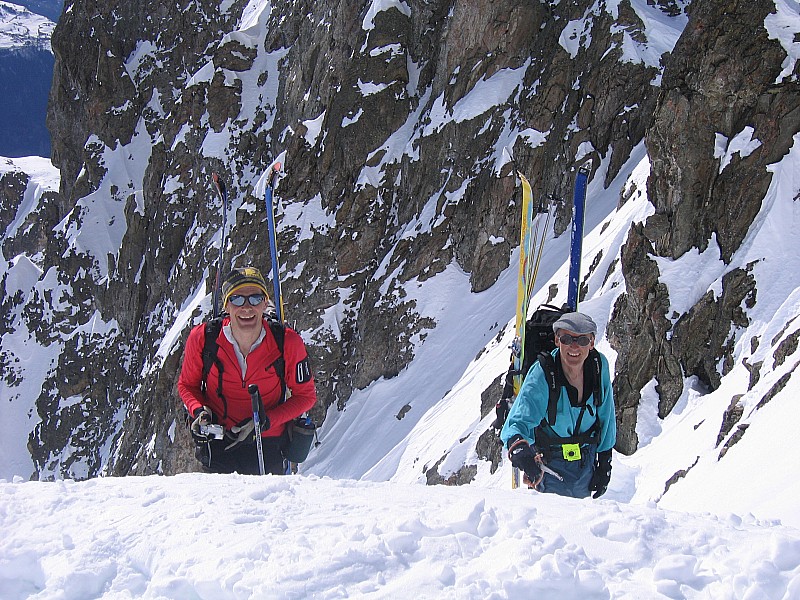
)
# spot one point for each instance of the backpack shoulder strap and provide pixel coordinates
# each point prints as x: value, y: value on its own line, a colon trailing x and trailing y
x: 553, y: 392
x: 596, y: 364
x: 209, y: 356
x: 210, y: 348
x: 588, y: 437
x: 278, y: 330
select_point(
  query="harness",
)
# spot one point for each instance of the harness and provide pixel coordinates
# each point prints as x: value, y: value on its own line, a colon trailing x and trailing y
x: 210, y: 358
x: 544, y: 434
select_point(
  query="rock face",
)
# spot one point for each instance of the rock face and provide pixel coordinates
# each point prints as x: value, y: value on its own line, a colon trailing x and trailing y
x: 395, y: 121
x: 725, y: 81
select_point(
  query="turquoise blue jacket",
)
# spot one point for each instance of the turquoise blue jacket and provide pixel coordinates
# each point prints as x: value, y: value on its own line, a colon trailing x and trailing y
x: 530, y: 408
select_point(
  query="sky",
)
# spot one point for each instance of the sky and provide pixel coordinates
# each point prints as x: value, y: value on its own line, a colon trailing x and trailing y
x: 358, y: 521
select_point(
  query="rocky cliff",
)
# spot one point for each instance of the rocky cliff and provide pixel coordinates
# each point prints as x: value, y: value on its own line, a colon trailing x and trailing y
x: 400, y: 124
x: 726, y: 80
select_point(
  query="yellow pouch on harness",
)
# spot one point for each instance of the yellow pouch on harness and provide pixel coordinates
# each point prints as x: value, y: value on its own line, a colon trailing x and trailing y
x: 571, y: 451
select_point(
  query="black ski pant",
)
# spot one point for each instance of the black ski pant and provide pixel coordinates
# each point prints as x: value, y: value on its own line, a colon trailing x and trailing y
x: 242, y: 458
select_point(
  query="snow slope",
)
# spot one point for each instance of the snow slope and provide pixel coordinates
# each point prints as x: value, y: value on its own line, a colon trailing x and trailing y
x: 236, y: 537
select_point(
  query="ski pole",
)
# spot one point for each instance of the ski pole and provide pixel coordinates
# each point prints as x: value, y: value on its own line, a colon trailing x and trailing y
x: 223, y: 193
x: 255, y: 398
x: 273, y: 242
x: 546, y: 469
x: 550, y: 211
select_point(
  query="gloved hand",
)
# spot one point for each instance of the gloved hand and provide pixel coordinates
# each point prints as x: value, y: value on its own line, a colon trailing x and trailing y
x: 240, y: 433
x: 201, y: 416
x: 523, y: 458
x: 602, y: 474
x: 501, y: 410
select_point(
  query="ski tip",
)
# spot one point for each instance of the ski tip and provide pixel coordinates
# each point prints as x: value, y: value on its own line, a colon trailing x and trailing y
x: 218, y: 182
x: 274, y: 174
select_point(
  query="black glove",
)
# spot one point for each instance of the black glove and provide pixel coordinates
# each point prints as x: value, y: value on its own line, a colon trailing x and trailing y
x: 501, y: 410
x: 523, y: 458
x: 602, y: 474
x: 202, y: 416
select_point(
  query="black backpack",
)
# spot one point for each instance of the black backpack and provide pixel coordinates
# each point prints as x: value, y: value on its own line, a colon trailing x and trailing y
x: 539, y: 335
x: 538, y: 338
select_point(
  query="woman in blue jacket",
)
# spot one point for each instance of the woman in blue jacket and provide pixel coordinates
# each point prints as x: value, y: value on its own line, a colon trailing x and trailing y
x: 562, y: 426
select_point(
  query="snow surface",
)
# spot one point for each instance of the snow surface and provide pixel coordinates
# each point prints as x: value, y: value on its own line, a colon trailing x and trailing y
x: 220, y: 537
x: 660, y: 31
x: 377, y: 6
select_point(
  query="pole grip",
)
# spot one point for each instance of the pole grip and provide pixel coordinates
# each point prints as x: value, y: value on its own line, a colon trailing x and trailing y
x: 255, y: 398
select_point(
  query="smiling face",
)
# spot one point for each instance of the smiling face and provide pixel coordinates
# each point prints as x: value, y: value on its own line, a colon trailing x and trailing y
x: 246, y: 318
x: 573, y: 355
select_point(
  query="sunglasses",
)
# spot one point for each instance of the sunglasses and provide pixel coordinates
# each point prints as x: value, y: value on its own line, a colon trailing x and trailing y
x: 581, y: 340
x: 253, y: 299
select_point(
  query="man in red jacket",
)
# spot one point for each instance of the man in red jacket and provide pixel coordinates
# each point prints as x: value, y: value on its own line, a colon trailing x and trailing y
x: 247, y: 352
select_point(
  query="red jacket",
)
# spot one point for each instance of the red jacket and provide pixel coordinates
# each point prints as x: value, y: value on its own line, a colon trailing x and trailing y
x: 237, y: 406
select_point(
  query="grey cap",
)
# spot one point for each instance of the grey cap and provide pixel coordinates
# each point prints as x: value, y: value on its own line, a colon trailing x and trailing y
x: 575, y: 322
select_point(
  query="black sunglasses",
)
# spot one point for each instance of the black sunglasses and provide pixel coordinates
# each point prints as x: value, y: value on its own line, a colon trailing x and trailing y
x: 253, y: 299
x: 581, y: 340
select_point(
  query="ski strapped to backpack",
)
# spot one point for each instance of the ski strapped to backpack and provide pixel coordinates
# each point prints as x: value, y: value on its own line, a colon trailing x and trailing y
x: 219, y: 184
x: 269, y: 191
x: 576, y: 235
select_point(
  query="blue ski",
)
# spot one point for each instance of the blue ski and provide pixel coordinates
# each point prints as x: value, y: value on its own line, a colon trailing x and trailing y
x: 273, y: 242
x: 576, y: 239
x: 223, y: 194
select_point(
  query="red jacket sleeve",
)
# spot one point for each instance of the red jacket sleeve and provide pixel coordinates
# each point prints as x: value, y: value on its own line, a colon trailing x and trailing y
x: 192, y: 370
x: 301, y: 392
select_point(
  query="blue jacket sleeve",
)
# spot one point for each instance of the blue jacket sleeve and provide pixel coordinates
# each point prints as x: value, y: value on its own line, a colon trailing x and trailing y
x: 529, y: 408
x: 607, y: 411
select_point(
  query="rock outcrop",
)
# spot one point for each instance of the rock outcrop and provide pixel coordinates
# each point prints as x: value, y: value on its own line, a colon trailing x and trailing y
x: 397, y: 122
x: 723, y: 88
